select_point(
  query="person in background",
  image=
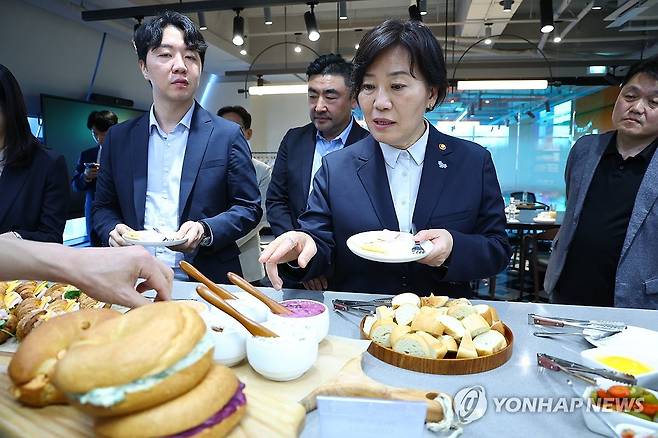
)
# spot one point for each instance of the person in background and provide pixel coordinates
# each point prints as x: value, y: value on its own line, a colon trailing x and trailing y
x: 34, y: 182
x: 332, y: 127
x: 606, y: 252
x: 86, y: 171
x: 249, y: 245
x: 106, y: 274
x: 177, y: 168
x: 406, y: 176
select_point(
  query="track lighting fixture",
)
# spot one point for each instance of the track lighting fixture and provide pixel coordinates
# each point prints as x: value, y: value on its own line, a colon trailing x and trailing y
x: 342, y: 10
x: 238, y: 28
x: 267, y: 14
x: 546, y: 15
x: 311, y: 24
x: 202, y: 21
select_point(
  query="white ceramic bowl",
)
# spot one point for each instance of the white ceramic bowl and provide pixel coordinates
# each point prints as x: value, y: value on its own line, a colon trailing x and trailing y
x: 247, y: 308
x: 319, y: 324
x: 284, y: 358
x: 632, y: 349
x: 229, y: 338
x: 259, y: 310
x: 618, y: 420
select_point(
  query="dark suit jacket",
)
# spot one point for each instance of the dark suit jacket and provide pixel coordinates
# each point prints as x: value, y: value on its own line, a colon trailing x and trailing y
x: 287, y: 194
x: 351, y: 195
x: 34, y: 200
x: 79, y: 184
x: 218, y: 185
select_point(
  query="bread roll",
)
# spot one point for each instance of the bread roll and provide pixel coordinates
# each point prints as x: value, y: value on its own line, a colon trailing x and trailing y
x: 436, y: 344
x: 434, y: 301
x: 405, y: 298
x: 383, y: 312
x: 397, y: 332
x: 461, y: 310
x: 405, y: 313
x: 381, y: 332
x: 466, y: 348
x: 452, y: 326
x: 450, y: 343
x: 413, y: 345
x: 427, y: 322
x: 489, y: 342
x: 8, y: 327
x: 475, y: 324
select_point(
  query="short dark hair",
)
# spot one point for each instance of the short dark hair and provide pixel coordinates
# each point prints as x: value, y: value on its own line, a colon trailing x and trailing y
x: 239, y: 110
x: 102, y: 120
x: 424, y: 50
x: 648, y: 66
x: 20, y: 144
x: 331, y: 64
x: 148, y: 36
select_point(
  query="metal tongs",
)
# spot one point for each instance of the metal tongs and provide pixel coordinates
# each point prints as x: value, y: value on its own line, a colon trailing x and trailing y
x: 552, y: 321
x: 582, y: 372
x: 362, y: 307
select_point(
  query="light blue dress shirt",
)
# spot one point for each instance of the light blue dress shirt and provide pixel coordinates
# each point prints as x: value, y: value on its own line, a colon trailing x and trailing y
x: 324, y: 146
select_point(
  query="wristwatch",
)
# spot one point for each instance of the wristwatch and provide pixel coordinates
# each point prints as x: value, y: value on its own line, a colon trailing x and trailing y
x: 207, y: 234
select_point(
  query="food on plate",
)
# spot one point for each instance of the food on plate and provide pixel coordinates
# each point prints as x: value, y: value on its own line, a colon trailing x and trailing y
x: 632, y: 400
x: 32, y: 367
x: 212, y: 408
x: 546, y: 216
x: 625, y: 365
x: 26, y: 304
x: 141, y: 359
x: 436, y: 327
x: 388, y: 242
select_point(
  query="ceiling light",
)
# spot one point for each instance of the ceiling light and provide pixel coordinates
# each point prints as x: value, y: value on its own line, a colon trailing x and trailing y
x: 356, y: 46
x: 490, y: 117
x: 557, y: 39
x: 342, y: 10
x: 265, y: 90
x: 597, y: 69
x: 598, y: 5
x: 414, y: 13
x: 298, y: 49
x: 311, y: 24
x: 487, y: 101
x: 530, y: 114
x: 546, y: 14
x: 202, y: 21
x: 267, y: 13
x: 452, y: 100
x: 507, y: 5
x: 487, y: 33
x: 238, y: 28
x: 547, y: 106
x: 528, y: 84
x: 422, y: 7
x: 243, y: 52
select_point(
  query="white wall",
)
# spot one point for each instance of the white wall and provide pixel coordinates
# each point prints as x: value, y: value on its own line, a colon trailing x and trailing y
x: 54, y: 55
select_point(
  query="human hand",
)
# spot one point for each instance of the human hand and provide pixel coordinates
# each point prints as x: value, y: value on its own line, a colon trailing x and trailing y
x: 193, y: 231
x: 292, y: 245
x: 319, y: 283
x: 442, y: 241
x: 116, y: 235
x: 91, y: 173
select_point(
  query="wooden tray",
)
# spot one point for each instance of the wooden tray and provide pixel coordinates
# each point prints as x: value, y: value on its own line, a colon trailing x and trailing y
x: 452, y: 366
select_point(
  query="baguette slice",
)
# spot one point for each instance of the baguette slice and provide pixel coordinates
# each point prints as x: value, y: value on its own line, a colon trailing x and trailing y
x: 397, y: 332
x: 475, y: 325
x: 461, y: 311
x: 494, y: 314
x: 467, y: 348
x: 489, y: 342
x: 458, y: 302
x: 442, y: 311
x: 452, y: 326
x: 436, y: 344
x: 367, y: 324
x: 384, y: 312
x: 414, y: 345
x: 484, y: 310
x: 405, y: 298
x: 450, y: 343
x: 434, y: 301
x: 381, y: 332
x: 427, y: 322
x: 498, y: 326
x: 406, y: 313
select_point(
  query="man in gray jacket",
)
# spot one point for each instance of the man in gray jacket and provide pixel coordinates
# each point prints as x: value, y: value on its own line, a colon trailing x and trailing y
x: 252, y: 269
x: 606, y: 252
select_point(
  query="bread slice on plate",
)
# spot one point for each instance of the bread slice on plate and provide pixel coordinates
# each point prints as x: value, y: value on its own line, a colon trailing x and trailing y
x: 384, y: 312
x: 458, y: 302
x: 397, y: 332
x: 436, y: 344
x: 467, y: 348
x: 381, y: 332
x: 427, y: 322
x: 413, y: 345
x: 452, y: 326
x: 498, y: 326
x: 405, y: 313
x: 484, y: 310
x: 405, y: 298
x: 489, y: 342
x: 475, y: 324
x: 450, y: 343
x: 461, y: 311
x: 434, y: 301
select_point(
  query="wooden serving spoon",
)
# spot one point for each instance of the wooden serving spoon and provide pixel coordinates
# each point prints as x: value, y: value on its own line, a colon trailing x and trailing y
x: 351, y: 381
x: 197, y: 275
x: 253, y: 327
x: 243, y: 284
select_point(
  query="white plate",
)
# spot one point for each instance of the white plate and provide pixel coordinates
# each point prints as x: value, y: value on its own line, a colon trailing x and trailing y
x: 641, y: 351
x: 630, y: 335
x: 618, y: 420
x: 543, y: 221
x: 400, y: 251
x: 152, y: 238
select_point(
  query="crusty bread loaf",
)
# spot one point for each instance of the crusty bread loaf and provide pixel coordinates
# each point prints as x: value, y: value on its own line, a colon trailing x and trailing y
x: 475, y: 324
x: 489, y: 342
x: 182, y: 413
x: 413, y: 345
x: 33, y: 364
x: 397, y: 332
x: 427, y: 322
x: 434, y: 301
x: 405, y: 298
x: 405, y: 313
x: 452, y: 326
x: 466, y: 348
x: 381, y: 332
x: 461, y: 311
x: 436, y: 344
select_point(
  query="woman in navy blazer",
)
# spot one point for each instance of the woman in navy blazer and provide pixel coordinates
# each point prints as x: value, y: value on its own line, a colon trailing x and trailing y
x: 399, y: 75
x: 34, y: 188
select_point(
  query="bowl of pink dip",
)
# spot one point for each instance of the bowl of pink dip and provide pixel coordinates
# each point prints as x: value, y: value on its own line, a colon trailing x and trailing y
x: 306, y: 313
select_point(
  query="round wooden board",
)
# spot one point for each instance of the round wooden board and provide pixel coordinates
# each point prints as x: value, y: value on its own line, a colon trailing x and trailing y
x: 450, y: 366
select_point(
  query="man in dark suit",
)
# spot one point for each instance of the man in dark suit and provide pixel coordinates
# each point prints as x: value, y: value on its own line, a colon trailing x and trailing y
x: 300, y: 154
x: 178, y: 168
x: 86, y: 171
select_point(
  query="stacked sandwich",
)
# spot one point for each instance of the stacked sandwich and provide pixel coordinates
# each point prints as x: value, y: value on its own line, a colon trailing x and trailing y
x: 24, y: 305
x: 435, y: 327
x: 148, y: 373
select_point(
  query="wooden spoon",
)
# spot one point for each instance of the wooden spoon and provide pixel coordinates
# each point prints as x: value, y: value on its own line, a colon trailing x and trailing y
x: 253, y: 327
x: 351, y: 381
x: 197, y: 275
x: 243, y: 284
